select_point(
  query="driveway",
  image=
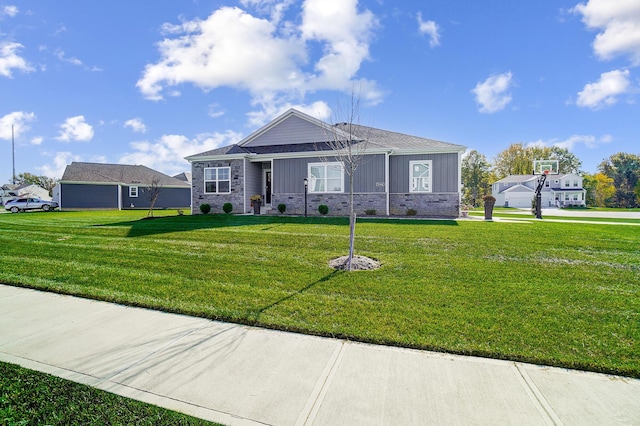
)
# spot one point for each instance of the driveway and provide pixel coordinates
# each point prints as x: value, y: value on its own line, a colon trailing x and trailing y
x: 590, y: 213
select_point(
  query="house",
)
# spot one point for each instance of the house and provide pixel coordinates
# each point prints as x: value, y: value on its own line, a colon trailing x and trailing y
x: 8, y: 192
x: 398, y: 172
x: 117, y: 186
x: 559, y: 190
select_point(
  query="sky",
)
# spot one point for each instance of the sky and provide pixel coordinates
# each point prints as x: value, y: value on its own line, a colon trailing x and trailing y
x: 149, y: 82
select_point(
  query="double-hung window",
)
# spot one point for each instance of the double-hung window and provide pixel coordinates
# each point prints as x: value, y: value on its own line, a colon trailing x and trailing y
x: 133, y: 191
x: 326, y: 177
x: 420, y: 176
x: 217, y: 180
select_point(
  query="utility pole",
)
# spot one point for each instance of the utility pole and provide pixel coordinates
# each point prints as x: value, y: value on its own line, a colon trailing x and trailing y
x: 13, y: 155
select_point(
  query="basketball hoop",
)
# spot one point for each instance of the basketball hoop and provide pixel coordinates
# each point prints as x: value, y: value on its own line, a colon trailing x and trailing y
x: 546, y: 172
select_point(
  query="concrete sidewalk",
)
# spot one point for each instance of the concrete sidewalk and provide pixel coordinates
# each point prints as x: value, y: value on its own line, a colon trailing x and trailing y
x: 239, y: 375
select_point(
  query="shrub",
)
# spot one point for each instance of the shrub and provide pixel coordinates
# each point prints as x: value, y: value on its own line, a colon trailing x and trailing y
x: 205, y: 208
x: 370, y: 212
x: 412, y: 212
x: 282, y: 208
x: 323, y: 209
x: 227, y: 207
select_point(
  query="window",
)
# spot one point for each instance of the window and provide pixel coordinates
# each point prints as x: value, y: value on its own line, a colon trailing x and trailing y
x: 133, y: 191
x: 326, y: 177
x: 420, y: 176
x: 567, y: 183
x: 217, y: 180
x: 575, y: 183
x: 547, y: 183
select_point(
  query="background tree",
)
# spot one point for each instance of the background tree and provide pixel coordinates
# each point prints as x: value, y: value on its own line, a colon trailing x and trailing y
x: 600, y: 189
x: 624, y: 169
x: 45, y: 182
x: 515, y: 160
x: 475, y: 177
x: 567, y: 161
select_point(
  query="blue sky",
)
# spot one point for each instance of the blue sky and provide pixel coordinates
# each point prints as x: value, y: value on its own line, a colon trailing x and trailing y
x: 147, y: 82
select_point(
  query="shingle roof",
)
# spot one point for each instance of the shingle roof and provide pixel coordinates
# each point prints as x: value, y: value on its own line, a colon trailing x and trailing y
x: 117, y: 173
x: 376, y: 138
x: 395, y: 140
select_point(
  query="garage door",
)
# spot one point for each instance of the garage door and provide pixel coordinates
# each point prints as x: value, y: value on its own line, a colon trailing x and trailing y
x: 523, y: 202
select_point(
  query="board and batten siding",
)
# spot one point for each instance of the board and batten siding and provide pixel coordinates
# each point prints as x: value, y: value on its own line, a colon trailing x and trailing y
x: 288, y: 174
x: 89, y: 196
x: 291, y: 131
x: 444, y: 172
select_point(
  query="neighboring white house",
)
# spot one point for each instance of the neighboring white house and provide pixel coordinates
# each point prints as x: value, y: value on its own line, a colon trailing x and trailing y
x: 560, y: 190
x: 9, y: 192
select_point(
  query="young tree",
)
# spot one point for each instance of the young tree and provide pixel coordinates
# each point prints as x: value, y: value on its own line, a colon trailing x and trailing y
x: 349, y: 147
x: 624, y: 169
x: 475, y: 177
x: 153, y: 191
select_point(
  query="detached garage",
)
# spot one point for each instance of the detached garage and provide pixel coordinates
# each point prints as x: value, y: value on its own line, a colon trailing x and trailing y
x: 117, y: 186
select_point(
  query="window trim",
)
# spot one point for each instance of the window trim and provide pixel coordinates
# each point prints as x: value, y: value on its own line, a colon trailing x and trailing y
x: 430, y: 166
x: 205, y: 180
x: 134, y: 191
x: 326, y: 165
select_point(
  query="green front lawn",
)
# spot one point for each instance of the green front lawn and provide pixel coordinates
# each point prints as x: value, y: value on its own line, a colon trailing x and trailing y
x: 32, y: 398
x: 562, y: 294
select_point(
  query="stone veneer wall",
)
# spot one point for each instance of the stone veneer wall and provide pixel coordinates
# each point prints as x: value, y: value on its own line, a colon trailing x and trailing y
x: 436, y: 205
x: 338, y: 203
x: 216, y: 201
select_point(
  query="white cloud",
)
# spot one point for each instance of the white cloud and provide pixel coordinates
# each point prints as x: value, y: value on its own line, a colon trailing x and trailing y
x: 572, y: 141
x: 55, y: 169
x: 605, y: 91
x: 37, y: 140
x: 167, y: 153
x: 75, y: 129
x: 319, y: 110
x: 268, y: 58
x: 274, y: 8
x: 10, y: 60
x: 493, y: 95
x: 9, y: 10
x: 431, y: 29
x: 215, y: 111
x: 19, y: 120
x: 136, y: 125
x: 619, y: 25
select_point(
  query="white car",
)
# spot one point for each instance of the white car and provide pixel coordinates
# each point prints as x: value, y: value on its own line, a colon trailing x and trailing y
x: 23, y: 204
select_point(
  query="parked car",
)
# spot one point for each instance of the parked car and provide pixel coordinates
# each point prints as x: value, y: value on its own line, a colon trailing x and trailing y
x: 23, y: 204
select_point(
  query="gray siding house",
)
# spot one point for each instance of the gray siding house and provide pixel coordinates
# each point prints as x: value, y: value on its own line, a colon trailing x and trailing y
x: 117, y: 186
x: 398, y: 172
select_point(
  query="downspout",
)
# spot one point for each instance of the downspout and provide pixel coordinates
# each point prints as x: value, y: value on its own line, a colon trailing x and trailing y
x: 386, y: 181
x: 459, y: 182
x: 119, y: 189
x: 244, y: 185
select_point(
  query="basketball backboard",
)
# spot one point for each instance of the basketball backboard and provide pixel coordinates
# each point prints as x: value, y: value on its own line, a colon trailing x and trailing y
x: 549, y: 167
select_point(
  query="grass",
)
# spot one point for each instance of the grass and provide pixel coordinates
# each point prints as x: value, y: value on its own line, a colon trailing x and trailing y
x: 32, y: 398
x: 563, y: 294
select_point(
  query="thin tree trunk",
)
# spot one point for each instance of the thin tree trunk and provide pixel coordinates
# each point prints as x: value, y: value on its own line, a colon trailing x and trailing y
x: 352, y: 220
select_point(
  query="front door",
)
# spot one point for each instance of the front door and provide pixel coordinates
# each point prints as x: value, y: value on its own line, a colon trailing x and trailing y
x: 267, y: 187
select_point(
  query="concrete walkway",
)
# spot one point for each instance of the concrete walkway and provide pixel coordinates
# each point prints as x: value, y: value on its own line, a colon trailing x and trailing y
x: 240, y: 375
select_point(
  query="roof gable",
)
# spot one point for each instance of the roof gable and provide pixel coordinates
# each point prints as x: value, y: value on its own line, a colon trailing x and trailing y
x: 117, y: 173
x: 291, y: 128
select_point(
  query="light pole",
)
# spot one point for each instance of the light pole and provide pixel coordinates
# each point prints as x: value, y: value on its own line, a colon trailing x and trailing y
x: 306, y: 188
